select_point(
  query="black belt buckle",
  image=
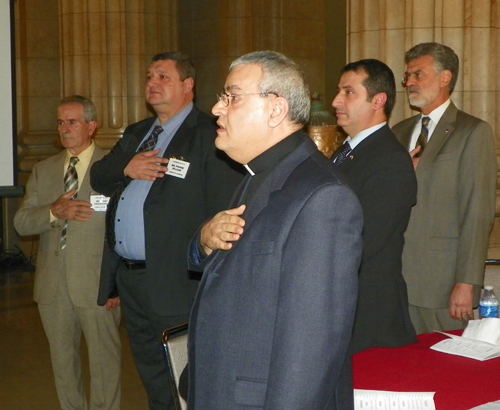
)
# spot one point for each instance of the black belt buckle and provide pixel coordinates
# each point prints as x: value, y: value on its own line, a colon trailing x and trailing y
x: 134, y: 265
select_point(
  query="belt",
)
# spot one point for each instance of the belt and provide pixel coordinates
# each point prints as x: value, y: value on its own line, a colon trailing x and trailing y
x: 134, y: 265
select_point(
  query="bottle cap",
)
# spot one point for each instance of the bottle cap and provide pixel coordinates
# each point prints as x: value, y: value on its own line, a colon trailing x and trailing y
x: 488, y: 287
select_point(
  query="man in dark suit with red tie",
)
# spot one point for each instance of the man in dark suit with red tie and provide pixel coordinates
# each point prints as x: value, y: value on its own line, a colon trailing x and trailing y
x: 380, y: 172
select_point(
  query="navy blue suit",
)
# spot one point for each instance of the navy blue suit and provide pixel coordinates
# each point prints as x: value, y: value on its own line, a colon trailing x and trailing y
x: 272, y: 319
x: 380, y: 172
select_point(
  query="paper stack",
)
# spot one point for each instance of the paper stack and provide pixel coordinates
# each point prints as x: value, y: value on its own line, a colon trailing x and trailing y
x: 480, y: 340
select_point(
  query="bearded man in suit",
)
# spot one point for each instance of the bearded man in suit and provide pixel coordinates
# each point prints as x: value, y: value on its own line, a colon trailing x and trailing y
x: 166, y: 177
x: 454, y: 157
x: 272, y: 319
x: 58, y: 207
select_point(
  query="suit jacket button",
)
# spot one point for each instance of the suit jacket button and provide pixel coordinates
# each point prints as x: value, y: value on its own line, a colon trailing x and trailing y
x: 56, y: 253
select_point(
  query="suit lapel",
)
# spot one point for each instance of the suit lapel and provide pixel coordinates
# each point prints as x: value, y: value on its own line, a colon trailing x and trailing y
x: 273, y: 183
x: 180, y: 136
x: 363, y: 146
x: 142, y: 130
x: 407, y: 131
x: 444, y: 129
x: 55, y: 173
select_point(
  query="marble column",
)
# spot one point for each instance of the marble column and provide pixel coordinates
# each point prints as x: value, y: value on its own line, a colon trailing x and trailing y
x: 106, y: 47
x: 37, y: 82
x: 385, y: 29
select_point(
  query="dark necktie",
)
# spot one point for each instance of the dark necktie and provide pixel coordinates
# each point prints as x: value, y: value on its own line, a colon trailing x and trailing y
x: 343, y: 153
x: 424, y: 134
x: 70, y: 183
x: 147, y: 145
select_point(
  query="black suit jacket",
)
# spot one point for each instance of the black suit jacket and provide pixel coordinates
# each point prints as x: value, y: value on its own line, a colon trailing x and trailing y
x: 173, y: 209
x: 272, y: 319
x: 380, y: 171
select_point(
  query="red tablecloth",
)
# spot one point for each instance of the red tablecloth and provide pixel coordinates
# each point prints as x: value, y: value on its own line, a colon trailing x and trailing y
x: 460, y: 383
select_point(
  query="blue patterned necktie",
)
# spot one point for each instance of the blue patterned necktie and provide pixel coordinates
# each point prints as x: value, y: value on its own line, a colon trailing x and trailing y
x: 150, y: 142
x: 70, y: 183
x: 343, y: 153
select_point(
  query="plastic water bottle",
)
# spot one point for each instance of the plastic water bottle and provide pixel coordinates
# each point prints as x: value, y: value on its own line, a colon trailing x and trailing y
x: 488, y: 304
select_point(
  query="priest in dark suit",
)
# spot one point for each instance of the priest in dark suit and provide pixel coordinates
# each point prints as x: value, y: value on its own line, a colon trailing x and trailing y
x: 272, y: 319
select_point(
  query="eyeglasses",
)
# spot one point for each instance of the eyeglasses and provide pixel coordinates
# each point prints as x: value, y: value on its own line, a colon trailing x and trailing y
x: 227, y: 98
x: 417, y: 76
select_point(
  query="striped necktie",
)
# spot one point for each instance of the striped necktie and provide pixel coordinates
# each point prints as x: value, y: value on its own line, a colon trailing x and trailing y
x: 70, y: 183
x: 424, y: 133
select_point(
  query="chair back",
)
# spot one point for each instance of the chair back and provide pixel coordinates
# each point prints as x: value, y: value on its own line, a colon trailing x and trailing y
x: 176, y: 353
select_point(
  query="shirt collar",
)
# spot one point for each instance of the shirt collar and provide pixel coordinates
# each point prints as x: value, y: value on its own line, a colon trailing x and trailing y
x: 438, y: 112
x: 354, y: 141
x: 84, y: 157
x: 175, y: 121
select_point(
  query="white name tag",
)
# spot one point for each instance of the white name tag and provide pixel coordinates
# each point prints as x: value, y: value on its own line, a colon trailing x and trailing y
x: 99, y: 202
x: 177, y: 168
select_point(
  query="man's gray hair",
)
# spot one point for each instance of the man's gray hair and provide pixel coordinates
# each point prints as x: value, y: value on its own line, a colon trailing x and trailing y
x: 281, y: 76
x: 89, y: 111
x: 444, y: 59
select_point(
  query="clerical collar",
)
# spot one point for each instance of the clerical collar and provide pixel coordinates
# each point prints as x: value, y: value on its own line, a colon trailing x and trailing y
x: 274, y: 155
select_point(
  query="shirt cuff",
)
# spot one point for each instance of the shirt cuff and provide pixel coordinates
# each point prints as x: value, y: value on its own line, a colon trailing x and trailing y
x: 52, y: 217
x: 197, y: 254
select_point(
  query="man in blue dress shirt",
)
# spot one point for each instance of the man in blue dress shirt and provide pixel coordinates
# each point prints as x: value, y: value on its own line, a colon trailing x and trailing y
x: 166, y: 178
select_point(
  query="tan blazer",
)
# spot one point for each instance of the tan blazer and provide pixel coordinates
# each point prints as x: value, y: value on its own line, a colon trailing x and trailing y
x: 447, y: 237
x: 83, y: 252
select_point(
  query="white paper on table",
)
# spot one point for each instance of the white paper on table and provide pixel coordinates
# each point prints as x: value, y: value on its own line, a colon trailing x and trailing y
x: 461, y: 346
x: 390, y: 400
x: 486, y: 330
x: 494, y: 405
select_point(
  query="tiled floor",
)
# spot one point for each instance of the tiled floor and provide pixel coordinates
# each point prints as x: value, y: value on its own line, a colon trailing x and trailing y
x: 26, y: 381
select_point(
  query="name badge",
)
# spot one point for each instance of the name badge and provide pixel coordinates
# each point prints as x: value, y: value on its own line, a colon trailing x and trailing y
x: 99, y: 202
x: 177, y: 168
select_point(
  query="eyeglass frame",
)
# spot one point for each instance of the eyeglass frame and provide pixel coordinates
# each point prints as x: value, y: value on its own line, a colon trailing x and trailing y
x: 224, y: 97
x: 417, y: 75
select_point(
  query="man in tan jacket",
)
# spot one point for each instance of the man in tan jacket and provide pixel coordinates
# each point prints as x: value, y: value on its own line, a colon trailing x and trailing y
x: 454, y: 157
x: 58, y: 207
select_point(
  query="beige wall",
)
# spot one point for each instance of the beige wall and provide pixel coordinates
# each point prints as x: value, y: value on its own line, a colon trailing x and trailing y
x: 101, y: 49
